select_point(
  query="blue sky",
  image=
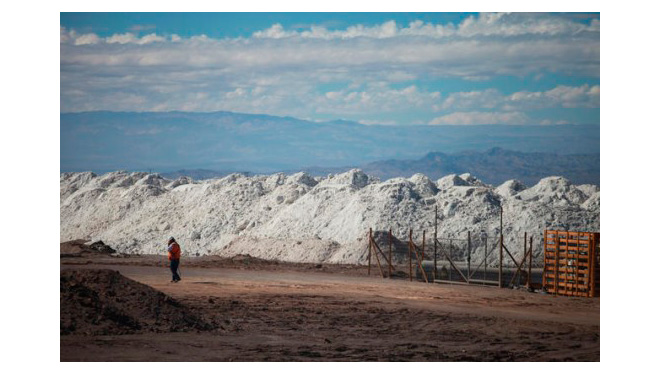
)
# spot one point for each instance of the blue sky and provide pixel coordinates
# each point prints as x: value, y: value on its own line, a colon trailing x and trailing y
x: 373, y: 68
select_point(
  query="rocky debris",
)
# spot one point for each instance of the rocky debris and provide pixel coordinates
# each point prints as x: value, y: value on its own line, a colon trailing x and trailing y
x: 103, y: 302
x: 100, y: 247
x: 79, y: 247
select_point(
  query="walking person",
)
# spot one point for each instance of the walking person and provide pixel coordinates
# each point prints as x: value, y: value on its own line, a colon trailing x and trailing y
x: 173, y: 255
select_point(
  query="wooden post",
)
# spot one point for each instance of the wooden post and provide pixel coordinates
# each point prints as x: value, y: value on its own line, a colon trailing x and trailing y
x: 377, y: 248
x: 410, y: 254
x: 369, y: 257
x: 423, y: 243
x: 529, y: 274
x: 450, y: 255
x: 485, y: 256
x: 524, y: 256
x: 419, y: 262
x: 390, y: 242
x: 435, y: 245
x: 469, y: 252
x: 519, y: 270
x: 374, y: 247
x: 501, y: 246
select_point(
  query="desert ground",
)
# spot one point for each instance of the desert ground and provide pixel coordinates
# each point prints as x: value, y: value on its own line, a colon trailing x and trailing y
x: 256, y: 310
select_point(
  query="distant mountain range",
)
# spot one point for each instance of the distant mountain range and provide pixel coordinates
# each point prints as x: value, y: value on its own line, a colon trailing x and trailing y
x: 224, y: 141
x: 200, y: 174
x: 493, y: 167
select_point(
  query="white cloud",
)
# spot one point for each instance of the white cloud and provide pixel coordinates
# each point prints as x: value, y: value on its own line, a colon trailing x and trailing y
x: 377, y: 122
x: 471, y: 59
x: 482, y: 118
x: 562, y: 96
x: 377, y: 97
x: 514, y: 24
x: 151, y: 38
x: 584, y: 96
x: 276, y: 32
x: 486, y: 24
x: 122, y: 38
x: 86, y: 39
x: 486, y: 99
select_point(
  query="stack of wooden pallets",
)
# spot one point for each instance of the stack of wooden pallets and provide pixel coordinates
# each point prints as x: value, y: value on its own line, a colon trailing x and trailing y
x: 572, y: 263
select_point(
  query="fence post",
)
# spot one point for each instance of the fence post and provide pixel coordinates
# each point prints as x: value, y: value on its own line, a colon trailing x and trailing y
x: 390, y: 240
x: 469, y: 252
x: 410, y: 254
x: 501, y: 246
x: 485, y: 256
x: 529, y: 275
x: 423, y: 243
x: 521, y: 263
x: 450, y: 257
x: 435, y: 246
x: 369, y: 257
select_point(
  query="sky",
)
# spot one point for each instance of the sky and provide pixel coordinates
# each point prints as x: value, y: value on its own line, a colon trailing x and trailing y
x: 372, y: 68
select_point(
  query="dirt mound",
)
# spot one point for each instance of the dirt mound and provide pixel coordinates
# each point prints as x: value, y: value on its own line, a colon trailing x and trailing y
x: 79, y: 247
x: 100, y: 247
x: 247, y: 259
x: 102, y: 302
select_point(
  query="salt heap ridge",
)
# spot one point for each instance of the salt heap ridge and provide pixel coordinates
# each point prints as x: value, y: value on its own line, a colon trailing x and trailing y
x: 300, y: 218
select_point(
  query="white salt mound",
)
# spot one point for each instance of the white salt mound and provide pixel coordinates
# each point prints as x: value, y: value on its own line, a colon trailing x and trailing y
x: 300, y: 218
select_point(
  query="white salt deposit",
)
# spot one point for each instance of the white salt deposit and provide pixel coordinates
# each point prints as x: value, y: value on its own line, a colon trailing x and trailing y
x: 301, y: 218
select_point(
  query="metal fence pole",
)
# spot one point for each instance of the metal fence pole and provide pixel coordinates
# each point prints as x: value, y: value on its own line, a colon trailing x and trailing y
x: 529, y: 275
x: 369, y: 257
x: 390, y: 242
x: 501, y: 246
x: 522, y: 262
x: 450, y: 257
x: 410, y: 254
x: 435, y: 246
x: 423, y: 243
x: 485, y: 256
x: 468, y: 258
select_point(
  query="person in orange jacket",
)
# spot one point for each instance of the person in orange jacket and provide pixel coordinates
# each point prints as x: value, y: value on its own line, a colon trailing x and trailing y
x: 173, y: 255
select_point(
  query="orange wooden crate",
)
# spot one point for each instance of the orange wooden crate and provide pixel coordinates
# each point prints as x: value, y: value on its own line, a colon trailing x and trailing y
x: 571, y: 263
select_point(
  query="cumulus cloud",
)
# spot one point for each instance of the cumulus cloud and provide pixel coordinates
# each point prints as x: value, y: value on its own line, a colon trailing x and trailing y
x: 482, y: 118
x: 486, y: 24
x: 584, y: 96
x: 562, y: 96
x: 374, y: 98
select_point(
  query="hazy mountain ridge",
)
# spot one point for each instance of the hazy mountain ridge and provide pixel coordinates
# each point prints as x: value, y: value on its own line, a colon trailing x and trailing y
x: 169, y: 141
x: 494, y: 167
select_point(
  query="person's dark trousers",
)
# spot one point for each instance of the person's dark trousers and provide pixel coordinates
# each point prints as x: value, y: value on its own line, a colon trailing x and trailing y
x: 174, y: 267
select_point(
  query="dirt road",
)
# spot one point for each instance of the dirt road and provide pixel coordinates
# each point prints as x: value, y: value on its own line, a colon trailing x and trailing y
x: 284, y: 314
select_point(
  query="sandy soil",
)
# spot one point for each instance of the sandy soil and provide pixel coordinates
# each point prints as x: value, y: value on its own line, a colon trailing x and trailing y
x: 267, y: 311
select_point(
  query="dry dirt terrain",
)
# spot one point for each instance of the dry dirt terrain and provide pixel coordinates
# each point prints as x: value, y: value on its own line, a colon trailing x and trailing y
x: 246, y: 309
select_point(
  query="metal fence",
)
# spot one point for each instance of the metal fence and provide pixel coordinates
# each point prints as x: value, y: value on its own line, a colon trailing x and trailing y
x: 473, y: 259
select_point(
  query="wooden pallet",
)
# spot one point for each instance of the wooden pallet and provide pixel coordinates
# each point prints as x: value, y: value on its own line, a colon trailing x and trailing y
x: 571, y: 263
